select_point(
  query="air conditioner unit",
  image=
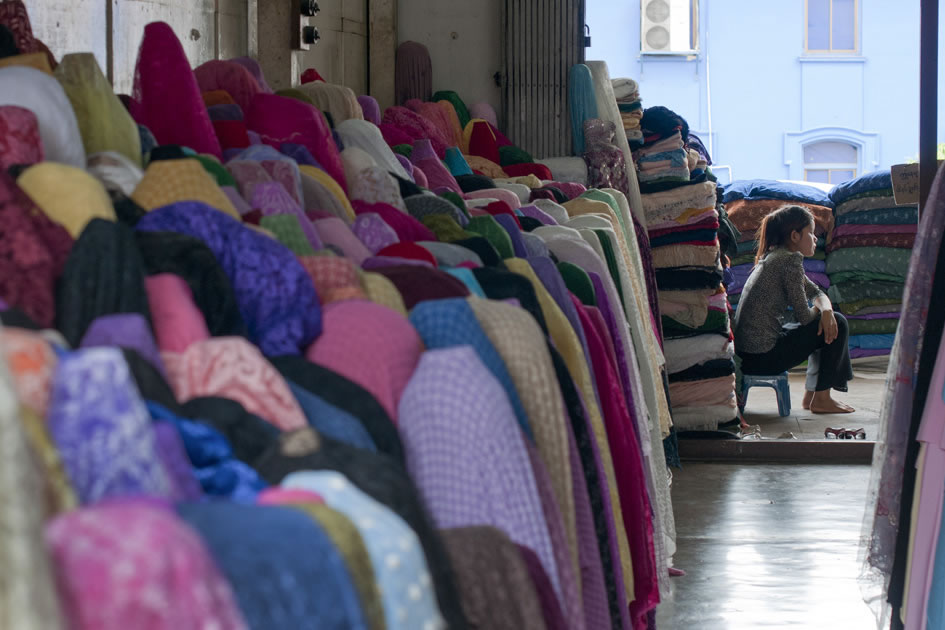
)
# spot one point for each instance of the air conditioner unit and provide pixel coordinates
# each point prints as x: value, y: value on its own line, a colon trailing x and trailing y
x: 667, y: 26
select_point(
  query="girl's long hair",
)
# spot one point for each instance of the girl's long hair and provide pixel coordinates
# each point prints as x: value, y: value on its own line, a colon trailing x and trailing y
x: 776, y: 228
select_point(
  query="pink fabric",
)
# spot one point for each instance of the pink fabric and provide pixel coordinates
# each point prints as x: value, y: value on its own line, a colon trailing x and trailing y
x: 232, y: 367
x: 254, y: 69
x: 166, y: 96
x: 279, y: 120
x: 855, y: 230
x: 370, y: 109
x: 248, y: 175
x: 418, y: 128
x: 420, y: 178
x: 270, y: 199
x: 501, y: 194
x: 231, y: 77
x: 371, y: 230
x: 484, y: 111
x: 177, y: 321
x: 500, y: 138
x: 406, y: 227
x: 281, y: 496
x: 370, y: 344
x: 20, y: 142
x: 437, y: 116
x: 334, y: 231
x: 287, y: 173
x: 424, y: 157
x: 134, y: 564
x: 394, y: 135
x: 335, y: 278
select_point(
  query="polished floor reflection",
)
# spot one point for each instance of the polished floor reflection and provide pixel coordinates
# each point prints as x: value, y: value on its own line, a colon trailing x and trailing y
x: 767, y: 546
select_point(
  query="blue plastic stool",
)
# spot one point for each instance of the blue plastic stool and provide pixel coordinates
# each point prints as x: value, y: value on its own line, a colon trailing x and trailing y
x: 779, y: 383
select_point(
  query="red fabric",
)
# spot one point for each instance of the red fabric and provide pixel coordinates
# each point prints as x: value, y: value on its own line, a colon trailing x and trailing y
x: 541, y: 193
x: 229, y: 76
x: 33, y: 252
x: 540, y: 171
x: 407, y: 228
x: 253, y: 217
x: 13, y: 15
x: 628, y: 469
x: 437, y: 116
x: 410, y: 251
x: 906, y: 241
x: 418, y: 283
x: 482, y: 142
x: 311, y: 76
x: 394, y: 135
x: 19, y: 137
x: 278, y: 120
x: 500, y: 138
x: 418, y: 128
x: 231, y: 134
x: 168, y: 99
x: 500, y: 207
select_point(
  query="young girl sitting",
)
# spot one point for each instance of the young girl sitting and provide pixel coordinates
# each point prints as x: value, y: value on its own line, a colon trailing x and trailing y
x: 764, y: 342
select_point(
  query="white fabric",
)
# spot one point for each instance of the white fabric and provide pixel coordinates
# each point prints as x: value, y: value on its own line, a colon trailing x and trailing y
x: 337, y: 100
x: 522, y: 191
x: 671, y: 204
x: 40, y: 93
x: 703, y: 418
x: 481, y: 202
x: 624, y: 87
x: 354, y: 161
x: 553, y: 209
x: 115, y: 171
x: 366, y: 136
x: 682, y: 354
x: 567, y: 169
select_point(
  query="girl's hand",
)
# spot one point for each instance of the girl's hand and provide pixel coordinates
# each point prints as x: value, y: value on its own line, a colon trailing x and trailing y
x: 828, y: 326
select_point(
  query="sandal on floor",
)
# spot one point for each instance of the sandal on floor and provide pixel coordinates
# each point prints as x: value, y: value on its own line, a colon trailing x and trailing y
x: 835, y: 433
x: 854, y: 434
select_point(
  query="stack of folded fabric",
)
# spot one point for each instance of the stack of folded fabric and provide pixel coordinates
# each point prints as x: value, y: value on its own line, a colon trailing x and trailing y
x: 683, y: 226
x: 868, y: 258
x: 627, y: 92
x: 748, y: 202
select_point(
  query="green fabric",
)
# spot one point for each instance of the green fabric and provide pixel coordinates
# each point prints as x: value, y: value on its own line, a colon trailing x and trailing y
x: 461, y: 111
x: 873, y: 326
x: 888, y: 260
x: 289, y: 232
x: 843, y: 277
x: 445, y: 227
x: 404, y: 149
x: 866, y: 289
x: 715, y: 321
x: 489, y: 228
x: 879, y: 192
x: 851, y: 308
x: 611, y: 258
x: 217, y: 171
x: 456, y: 200
x: 298, y: 95
x: 599, y: 195
x: 510, y: 155
x: 578, y: 283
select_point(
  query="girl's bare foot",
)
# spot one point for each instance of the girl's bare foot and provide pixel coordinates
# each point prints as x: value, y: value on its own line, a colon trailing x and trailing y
x: 821, y: 402
x: 808, y: 396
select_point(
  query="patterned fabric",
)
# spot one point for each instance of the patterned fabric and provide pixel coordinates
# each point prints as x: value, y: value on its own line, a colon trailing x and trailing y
x: 229, y: 76
x: 272, y: 199
x: 371, y: 345
x: 371, y: 230
x: 336, y: 233
x: 32, y: 362
x: 102, y: 429
x: 606, y: 164
x: 906, y: 215
x: 331, y: 421
x: 417, y: 127
x: 466, y: 454
x: 67, y: 195
x: 888, y: 260
x: 170, y: 181
x: 324, y: 193
x: 397, y: 557
x: 19, y: 137
x: 287, y: 173
x: 376, y: 185
x: 248, y: 175
x: 275, y: 295
x: 123, y: 330
x: 178, y: 323
x: 233, y: 368
x: 28, y: 597
x: 382, y: 291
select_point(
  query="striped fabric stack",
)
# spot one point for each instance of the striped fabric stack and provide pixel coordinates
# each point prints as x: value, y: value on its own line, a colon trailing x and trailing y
x: 627, y: 92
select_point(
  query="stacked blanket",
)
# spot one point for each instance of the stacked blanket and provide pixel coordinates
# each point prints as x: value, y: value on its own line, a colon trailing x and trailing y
x: 748, y: 202
x: 868, y: 258
x: 683, y: 226
x: 663, y: 160
x: 627, y: 92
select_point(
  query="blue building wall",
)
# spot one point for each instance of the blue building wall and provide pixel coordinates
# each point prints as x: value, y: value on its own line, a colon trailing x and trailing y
x: 767, y: 98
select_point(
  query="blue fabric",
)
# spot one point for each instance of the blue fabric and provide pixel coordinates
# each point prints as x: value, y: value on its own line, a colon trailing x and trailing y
x: 677, y: 157
x: 299, y: 153
x: 332, y: 421
x: 283, y: 567
x: 906, y: 215
x: 468, y: 278
x: 275, y: 294
x: 451, y: 322
x: 216, y: 468
x: 877, y: 180
x: 754, y: 189
x: 456, y: 163
x: 515, y: 234
x: 582, y: 102
x: 872, y: 342
x: 936, y: 606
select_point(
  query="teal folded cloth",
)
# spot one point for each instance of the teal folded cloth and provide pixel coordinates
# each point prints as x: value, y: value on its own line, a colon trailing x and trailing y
x: 582, y: 101
x: 456, y: 163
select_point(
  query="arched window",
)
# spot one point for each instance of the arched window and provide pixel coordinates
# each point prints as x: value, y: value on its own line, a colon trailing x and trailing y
x: 830, y: 162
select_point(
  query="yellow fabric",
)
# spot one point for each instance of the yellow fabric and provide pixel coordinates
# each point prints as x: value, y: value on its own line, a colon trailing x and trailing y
x: 531, y: 181
x: 170, y: 181
x: 59, y: 494
x: 468, y: 131
x: 569, y: 345
x: 68, y: 195
x: 382, y: 291
x: 38, y: 61
x: 104, y: 122
x: 333, y: 187
x: 486, y: 167
x: 454, y: 121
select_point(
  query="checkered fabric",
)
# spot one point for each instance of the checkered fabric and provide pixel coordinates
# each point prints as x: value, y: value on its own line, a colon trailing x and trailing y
x: 169, y: 181
x: 335, y: 278
x: 382, y: 291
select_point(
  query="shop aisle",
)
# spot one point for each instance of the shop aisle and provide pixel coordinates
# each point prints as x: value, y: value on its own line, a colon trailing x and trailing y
x: 767, y: 546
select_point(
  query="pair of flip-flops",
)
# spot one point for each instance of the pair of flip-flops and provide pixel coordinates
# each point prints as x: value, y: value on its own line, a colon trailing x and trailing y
x: 844, y: 434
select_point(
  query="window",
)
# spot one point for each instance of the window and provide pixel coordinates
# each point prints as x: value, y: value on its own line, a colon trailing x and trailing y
x: 832, y: 26
x: 830, y: 162
x: 669, y: 26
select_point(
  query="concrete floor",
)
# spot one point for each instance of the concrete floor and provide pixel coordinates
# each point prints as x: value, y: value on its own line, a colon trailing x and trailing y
x: 865, y: 393
x: 767, y: 546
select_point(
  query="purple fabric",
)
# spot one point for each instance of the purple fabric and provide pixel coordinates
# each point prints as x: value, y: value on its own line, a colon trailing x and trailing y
x: 370, y: 109
x: 537, y: 213
x: 174, y: 457
x: 271, y: 198
x: 254, y: 69
x: 371, y: 230
x: 124, y: 330
x: 535, y: 247
x: 649, y: 273
x: 550, y: 606
x: 466, y: 453
x: 225, y: 112
x: 860, y: 353
x: 275, y: 294
x: 254, y: 138
x: 407, y: 164
x: 887, y: 315
x: 381, y: 262
x: 299, y: 153
x: 102, y: 429
x: 742, y: 272
x: 509, y: 225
